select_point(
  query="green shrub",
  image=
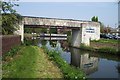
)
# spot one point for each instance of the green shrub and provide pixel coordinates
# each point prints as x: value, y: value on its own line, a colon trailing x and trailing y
x: 27, y: 42
x: 118, y: 52
x: 69, y: 72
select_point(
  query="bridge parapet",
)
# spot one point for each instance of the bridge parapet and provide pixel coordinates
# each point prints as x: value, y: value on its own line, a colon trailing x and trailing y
x: 54, y: 22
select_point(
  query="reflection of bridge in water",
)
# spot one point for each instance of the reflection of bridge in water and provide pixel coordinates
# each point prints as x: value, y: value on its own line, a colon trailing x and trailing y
x: 84, y: 61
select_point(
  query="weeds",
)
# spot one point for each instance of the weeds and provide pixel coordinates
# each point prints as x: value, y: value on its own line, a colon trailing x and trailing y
x: 11, y: 53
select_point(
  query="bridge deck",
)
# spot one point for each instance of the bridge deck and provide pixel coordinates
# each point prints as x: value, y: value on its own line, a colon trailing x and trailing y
x: 55, y: 22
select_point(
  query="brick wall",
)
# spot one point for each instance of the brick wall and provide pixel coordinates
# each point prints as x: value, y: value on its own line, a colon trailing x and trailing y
x: 9, y: 41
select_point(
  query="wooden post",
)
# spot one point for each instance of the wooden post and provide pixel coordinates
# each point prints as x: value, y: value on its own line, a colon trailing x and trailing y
x: 33, y: 32
x: 50, y: 32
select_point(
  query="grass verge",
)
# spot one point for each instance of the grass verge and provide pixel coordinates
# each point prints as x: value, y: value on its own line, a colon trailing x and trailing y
x: 30, y: 62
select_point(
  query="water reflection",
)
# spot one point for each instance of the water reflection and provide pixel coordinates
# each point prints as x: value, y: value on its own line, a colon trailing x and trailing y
x: 66, y: 56
x: 58, y: 47
x: 48, y: 45
x: 84, y: 61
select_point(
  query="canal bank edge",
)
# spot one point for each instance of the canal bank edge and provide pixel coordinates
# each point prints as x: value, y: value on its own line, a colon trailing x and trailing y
x: 107, y: 50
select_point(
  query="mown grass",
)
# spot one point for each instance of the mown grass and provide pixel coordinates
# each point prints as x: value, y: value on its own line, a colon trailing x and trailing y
x: 69, y: 72
x: 30, y: 62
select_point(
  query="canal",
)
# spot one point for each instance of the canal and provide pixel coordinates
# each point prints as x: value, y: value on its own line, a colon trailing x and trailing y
x: 95, y: 65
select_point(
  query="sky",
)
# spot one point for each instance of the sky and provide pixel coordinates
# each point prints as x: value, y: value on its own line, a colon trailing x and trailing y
x: 119, y: 13
x: 107, y: 12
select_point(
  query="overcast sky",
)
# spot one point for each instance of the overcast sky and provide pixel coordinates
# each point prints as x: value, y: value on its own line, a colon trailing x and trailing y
x: 106, y: 11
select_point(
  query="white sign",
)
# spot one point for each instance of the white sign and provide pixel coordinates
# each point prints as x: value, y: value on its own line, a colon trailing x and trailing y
x: 90, y: 30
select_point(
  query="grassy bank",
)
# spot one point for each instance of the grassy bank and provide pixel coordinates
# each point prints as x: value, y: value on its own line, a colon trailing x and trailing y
x: 109, y: 43
x: 108, y: 50
x: 29, y: 62
x: 68, y: 71
x: 109, y: 46
x: 106, y: 41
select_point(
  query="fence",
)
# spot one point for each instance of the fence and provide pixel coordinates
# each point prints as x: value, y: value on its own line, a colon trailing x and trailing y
x: 9, y: 41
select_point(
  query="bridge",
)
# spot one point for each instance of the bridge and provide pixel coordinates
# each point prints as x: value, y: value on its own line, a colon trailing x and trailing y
x: 82, y: 31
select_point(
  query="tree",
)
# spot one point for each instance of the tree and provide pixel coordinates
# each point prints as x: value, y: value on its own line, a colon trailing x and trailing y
x: 102, y: 27
x: 94, y: 18
x: 10, y: 18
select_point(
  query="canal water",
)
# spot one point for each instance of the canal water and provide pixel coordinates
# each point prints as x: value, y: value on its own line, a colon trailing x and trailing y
x: 95, y: 65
